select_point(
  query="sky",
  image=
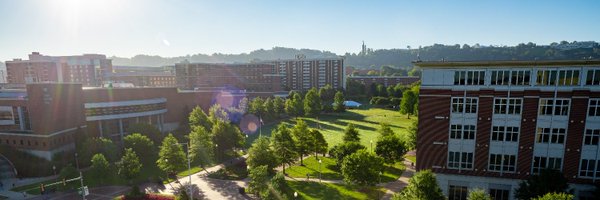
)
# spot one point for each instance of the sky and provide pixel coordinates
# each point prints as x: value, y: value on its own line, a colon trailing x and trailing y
x: 177, y: 27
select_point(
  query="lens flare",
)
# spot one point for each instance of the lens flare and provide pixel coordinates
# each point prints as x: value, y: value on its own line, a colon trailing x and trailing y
x: 249, y: 124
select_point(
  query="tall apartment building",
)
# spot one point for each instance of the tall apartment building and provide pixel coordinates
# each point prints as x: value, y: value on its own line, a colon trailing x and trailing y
x: 87, y: 69
x: 303, y: 74
x: 491, y: 125
x: 260, y: 77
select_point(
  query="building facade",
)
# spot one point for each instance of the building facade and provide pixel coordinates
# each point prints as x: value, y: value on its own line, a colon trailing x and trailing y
x: 491, y: 125
x: 144, y: 79
x: 385, y: 80
x: 87, y: 69
x: 303, y: 74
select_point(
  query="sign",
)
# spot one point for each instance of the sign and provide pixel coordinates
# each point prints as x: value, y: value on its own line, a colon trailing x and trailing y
x: 85, y: 191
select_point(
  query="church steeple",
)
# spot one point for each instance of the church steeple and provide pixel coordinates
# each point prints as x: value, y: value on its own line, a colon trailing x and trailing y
x: 364, y: 48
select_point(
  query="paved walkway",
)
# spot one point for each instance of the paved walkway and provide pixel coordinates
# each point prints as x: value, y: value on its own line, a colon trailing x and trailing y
x: 399, y: 184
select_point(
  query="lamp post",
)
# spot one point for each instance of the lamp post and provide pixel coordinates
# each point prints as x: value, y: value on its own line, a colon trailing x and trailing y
x: 77, y: 161
x: 295, y: 195
x: 54, y: 169
x: 319, y: 170
x: 189, y: 169
x: 371, y: 142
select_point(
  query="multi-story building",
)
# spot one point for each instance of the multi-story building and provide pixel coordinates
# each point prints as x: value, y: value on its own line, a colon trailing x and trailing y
x: 144, y: 79
x: 303, y: 74
x: 385, y: 80
x: 492, y: 124
x: 87, y: 69
x: 247, y: 76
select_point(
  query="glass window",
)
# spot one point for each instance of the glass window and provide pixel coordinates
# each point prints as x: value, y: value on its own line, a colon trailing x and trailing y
x: 469, y: 77
x: 457, y: 192
x: 594, y: 108
x: 548, y: 135
x: 593, y: 77
x: 499, y: 194
x: 540, y: 163
x: 499, y: 162
x: 588, y: 168
x: 507, y: 134
x: 464, y: 104
x: 554, y: 107
x: 591, y: 137
x: 511, y: 106
x: 466, y: 132
x: 460, y: 160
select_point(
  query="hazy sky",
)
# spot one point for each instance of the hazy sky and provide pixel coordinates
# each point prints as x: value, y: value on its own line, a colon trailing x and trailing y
x: 173, y: 28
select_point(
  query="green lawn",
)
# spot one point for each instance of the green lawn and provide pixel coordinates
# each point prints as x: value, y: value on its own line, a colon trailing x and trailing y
x: 311, y: 166
x: 315, y: 190
x: 411, y: 158
x: 234, y: 172
x: 332, y: 125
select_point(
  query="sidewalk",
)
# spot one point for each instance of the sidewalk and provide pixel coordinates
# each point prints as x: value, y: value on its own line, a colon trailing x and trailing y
x: 400, y: 183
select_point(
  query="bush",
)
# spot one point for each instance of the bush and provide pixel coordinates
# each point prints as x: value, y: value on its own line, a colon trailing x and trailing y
x: 68, y: 172
x: 94, y: 146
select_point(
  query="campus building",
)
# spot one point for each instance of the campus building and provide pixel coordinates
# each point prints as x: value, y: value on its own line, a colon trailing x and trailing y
x: 144, y: 79
x: 87, y: 69
x: 492, y: 124
x: 302, y: 74
x: 44, y: 118
x: 385, y: 80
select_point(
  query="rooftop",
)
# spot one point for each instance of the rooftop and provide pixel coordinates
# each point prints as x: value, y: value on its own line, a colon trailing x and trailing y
x: 505, y: 63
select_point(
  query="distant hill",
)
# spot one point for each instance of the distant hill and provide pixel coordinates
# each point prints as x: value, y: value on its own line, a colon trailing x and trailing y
x: 392, y: 57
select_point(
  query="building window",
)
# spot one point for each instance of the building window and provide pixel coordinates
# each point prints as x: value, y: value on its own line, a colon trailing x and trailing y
x: 540, y: 163
x: 457, y: 192
x: 568, y: 77
x: 554, y: 107
x: 464, y: 105
x: 499, y: 194
x: 565, y: 77
x: 469, y: 77
x: 591, y: 136
x: 511, y: 106
x: 499, y: 162
x: 594, y: 108
x: 505, y: 134
x: 546, y: 77
x: 520, y: 77
x: 588, y: 168
x: 551, y: 135
x: 466, y: 132
x: 593, y: 77
x: 500, y: 77
x: 460, y: 160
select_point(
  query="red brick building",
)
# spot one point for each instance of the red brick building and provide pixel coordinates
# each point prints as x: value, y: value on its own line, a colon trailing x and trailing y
x: 87, y: 69
x: 303, y: 74
x: 385, y: 80
x: 144, y: 79
x: 493, y: 124
x: 43, y: 118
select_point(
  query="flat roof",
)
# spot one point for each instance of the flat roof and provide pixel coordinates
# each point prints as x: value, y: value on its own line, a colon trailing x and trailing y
x: 504, y: 63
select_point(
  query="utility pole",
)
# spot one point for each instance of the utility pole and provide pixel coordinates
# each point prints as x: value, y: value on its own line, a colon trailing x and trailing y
x: 82, y: 189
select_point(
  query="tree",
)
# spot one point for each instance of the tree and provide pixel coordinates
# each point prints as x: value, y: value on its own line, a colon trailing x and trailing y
x: 141, y: 145
x: 339, y: 152
x: 422, y: 185
x: 148, y: 130
x: 338, y: 105
x: 68, y: 172
x: 217, y: 113
x: 279, y: 187
x: 261, y: 154
x: 278, y: 106
x: 100, y: 166
x: 411, y: 142
x: 171, y: 157
x: 381, y: 90
x: 362, y: 168
x: 385, y: 130
x: 283, y: 145
x: 556, y: 196
x: 547, y: 181
x: 269, y: 108
x: 326, y: 94
x: 407, y: 104
x: 226, y: 137
x: 257, y: 107
x: 351, y: 134
x: 478, y: 194
x: 304, y: 144
x: 312, y: 103
x: 320, y: 145
x: 199, y: 118
x: 129, y: 166
x: 293, y: 106
x: 391, y: 148
x: 259, y: 177
x: 93, y: 146
x: 201, y: 144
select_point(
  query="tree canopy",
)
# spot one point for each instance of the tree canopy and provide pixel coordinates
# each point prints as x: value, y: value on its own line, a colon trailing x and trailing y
x: 362, y: 168
x: 261, y: 154
x: 171, y: 157
x: 423, y: 185
x: 351, y: 134
x: 547, y: 181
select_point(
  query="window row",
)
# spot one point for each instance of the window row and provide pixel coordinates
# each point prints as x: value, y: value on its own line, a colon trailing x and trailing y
x: 499, y: 162
x: 465, y: 132
x: 589, y: 168
x: 460, y: 160
x: 558, y: 77
x: 516, y: 77
x: 591, y: 136
x: 469, y: 77
x: 511, y: 106
x: 550, y: 135
x: 554, y: 107
x: 540, y: 163
x: 514, y: 106
x: 505, y: 133
x: 464, y: 105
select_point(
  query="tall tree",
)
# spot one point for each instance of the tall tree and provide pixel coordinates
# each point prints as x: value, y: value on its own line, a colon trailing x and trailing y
x: 226, y: 137
x: 381, y: 90
x: 391, y: 148
x: 261, y: 154
x: 259, y: 177
x: 283, y: 145
x: 547, y: 181
x: 326, y: 94
x: 351, y: 134
x: 278, y: 106
x: 304, y: 144
x: 338, y: 105
x: 217, y: 113
x: 320, y: 144
x: 385, y: 130
x: 93, y: 146
x: 171, y: 157
x: 269, y: 108
x: 141, y: 145
x: 423, y: 185
x: 199, y: 118
x: 129, y: 166
x: 411, y: 142
x: 148, y: 130
x: 312, y: 103
x: 362, y: 168
x: 293, y: 106
x: 201, y: 146
x: 257, y: 106
x: 100, y: 166
x: 340, y: 151
x: 407, y: 105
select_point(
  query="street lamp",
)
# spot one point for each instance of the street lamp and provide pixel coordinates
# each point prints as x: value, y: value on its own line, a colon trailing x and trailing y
x: 371, y: 142
x: 54, y: 169
x: 319, y: 170
x: 189, y: 169
x: 295, y: 195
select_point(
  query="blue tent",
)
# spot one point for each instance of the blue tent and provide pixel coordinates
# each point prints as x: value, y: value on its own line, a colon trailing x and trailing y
x: 350, y: 104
